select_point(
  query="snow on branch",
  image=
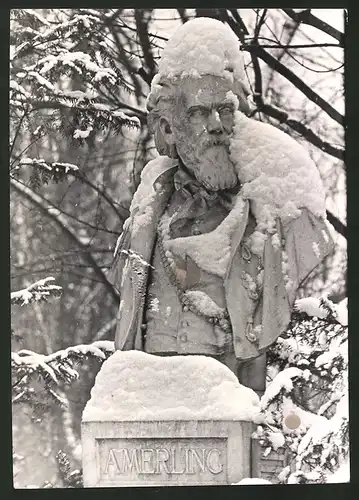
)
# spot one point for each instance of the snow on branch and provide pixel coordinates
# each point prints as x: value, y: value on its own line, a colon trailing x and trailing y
x: 283, y: 381
x: 52, y: 369
x: 44, y: 171
x: 51, y: 34
x: 40, y: 290
x: 37, y: 87
x: 33, y: 361
x: 304, y: 409
x: 323, y: 308
x: 316, y: 338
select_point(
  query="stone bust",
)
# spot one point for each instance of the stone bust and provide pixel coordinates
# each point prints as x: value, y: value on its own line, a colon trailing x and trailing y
x: 226, y: 223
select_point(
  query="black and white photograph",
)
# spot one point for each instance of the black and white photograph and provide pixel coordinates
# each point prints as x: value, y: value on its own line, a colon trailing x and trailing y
x: 178, y: 247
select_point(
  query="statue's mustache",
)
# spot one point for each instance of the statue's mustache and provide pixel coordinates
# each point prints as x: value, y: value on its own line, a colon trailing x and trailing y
x: 215, y: 141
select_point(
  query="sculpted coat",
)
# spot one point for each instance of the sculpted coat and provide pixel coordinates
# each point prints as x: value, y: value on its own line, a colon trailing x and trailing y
x: 304, y: 240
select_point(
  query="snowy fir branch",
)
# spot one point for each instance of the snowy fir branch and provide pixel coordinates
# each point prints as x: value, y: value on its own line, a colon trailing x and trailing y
x: 70, y: 478
x: 29, y: 368
x: 43, y: 171
x: 304, y: 409
x: 47, y: 57
x: 41, y: 290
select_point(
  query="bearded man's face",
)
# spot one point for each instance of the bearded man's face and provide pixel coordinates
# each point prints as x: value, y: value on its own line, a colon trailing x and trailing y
x: 202, y: 125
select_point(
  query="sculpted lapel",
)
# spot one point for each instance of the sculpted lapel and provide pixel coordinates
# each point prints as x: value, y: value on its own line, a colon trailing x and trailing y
x: 135, y: 273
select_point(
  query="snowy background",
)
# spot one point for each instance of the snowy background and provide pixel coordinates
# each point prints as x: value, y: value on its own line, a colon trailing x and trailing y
x: 79, y: 82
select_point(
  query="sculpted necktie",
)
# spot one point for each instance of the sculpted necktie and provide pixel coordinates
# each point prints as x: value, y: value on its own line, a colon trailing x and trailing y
x: 194, y: 201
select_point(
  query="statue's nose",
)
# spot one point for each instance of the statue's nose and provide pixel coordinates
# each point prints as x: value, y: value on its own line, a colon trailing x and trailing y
x: 214, y: 122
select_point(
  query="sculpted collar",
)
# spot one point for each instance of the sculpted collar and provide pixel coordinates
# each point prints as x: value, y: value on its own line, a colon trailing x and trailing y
x: 192, y: 201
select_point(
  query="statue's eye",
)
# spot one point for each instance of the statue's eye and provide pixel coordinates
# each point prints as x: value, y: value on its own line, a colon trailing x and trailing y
x: 198, y: 113
x: 225, y: 110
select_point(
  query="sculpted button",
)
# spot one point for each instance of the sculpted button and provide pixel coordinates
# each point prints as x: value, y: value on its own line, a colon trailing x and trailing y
x: 183, y: 337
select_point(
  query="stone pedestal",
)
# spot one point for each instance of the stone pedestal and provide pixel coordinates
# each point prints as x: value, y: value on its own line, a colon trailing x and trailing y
x: 172, y: 453
x: 157, y: 421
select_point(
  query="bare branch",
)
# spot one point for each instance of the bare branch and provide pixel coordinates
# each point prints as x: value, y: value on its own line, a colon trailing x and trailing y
x: 239, y: 20
x: 121, y: 212
x: 260, y: 23
x: 306, y: 17
x: 293, y: 46
x: 303, y: 130
x: 290, y: 76
x: 298, y: 82
x: 142, y: 32
x: 101, y: 334
x: 52, y: 213
x: 337, y: 224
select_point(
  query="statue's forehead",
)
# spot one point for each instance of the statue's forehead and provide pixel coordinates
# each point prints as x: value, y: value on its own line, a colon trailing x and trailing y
x: 205, y: 90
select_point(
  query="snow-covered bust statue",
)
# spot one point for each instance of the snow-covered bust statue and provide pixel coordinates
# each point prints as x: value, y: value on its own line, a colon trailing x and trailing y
x: 226, y: 224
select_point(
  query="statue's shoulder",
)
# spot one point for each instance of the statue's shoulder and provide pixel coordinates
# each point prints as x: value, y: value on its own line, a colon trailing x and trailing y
x: 261, y: 137
x: 277, y: 173
x: 151, y: 177
x: 155, y: 168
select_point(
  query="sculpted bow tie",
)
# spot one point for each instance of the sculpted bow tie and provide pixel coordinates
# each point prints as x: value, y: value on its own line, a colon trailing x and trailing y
x: 193, y: 201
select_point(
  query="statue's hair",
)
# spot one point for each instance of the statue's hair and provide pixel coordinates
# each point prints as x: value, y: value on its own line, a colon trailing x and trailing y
x: 161, y: 102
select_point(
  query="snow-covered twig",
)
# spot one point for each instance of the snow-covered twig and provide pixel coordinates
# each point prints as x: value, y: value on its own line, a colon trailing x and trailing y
x: 51, y: 167
x: 40, y: 290
x: 33, y: 361
x: 52, y: 369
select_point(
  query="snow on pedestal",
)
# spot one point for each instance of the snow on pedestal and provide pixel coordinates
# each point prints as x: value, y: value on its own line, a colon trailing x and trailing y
x: 175, y: 420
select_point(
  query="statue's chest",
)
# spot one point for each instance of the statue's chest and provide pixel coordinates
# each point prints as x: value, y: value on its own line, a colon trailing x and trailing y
x: 210, y: 250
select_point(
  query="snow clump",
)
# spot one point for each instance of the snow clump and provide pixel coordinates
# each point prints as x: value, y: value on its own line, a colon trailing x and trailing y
x: 145, y: 194
x: 202, y: 46
x: 311, y: 306
x: 251, y: 480
x: 133, y: 385
x: 211, y: 251
x: 277, y: 173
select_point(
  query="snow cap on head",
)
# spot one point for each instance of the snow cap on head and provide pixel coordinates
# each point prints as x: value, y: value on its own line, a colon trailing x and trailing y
x: 202, y: 46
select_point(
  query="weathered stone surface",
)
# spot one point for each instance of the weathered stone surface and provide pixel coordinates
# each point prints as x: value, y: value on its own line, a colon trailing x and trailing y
x: 172, y: 453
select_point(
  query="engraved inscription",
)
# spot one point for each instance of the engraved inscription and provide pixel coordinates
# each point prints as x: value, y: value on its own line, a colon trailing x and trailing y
x: 155, y: 461
x: 161, y: 460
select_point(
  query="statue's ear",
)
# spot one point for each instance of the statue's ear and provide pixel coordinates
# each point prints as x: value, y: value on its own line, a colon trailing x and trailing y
x: 241, y: 92
x: 167, y: 132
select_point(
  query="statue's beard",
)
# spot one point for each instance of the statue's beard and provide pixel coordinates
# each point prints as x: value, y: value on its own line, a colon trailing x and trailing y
x: 211, y: 165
